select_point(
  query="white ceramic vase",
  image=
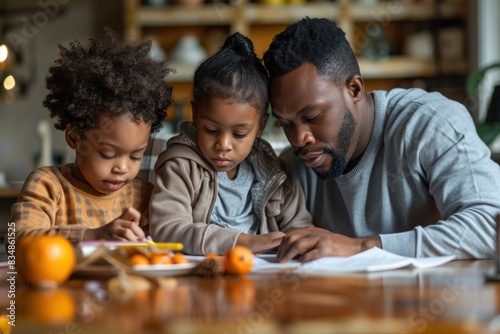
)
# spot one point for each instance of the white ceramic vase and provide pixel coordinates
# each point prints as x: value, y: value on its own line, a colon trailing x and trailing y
x: 188, y: 50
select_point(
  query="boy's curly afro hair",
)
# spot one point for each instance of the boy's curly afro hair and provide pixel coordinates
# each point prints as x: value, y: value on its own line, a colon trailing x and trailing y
x: 315, y: 40
x: 108, y: 77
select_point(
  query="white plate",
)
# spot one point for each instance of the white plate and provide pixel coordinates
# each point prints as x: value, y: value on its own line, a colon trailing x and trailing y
x: 164, y: 270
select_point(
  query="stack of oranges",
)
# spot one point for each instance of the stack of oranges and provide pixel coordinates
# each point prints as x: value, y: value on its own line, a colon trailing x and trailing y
x: 140, y: 258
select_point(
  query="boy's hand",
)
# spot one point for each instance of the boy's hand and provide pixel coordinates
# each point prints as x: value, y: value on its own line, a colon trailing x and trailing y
x: 124, y: 228
x: 261, y: 243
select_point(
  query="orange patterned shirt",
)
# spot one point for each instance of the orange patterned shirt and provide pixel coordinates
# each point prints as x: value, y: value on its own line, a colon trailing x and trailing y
x: 52, y: 199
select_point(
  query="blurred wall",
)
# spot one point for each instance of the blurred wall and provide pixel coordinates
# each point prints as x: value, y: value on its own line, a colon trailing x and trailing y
x: 488, y: 49
x: 44, y: 24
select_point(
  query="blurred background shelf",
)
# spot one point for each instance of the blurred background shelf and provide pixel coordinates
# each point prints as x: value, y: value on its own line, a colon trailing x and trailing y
x: 398, y: 43
x: 397, y: 67
x: 392, y: 67
x: 9, y: 192
x: 407, y: 10
x: 178, y: 16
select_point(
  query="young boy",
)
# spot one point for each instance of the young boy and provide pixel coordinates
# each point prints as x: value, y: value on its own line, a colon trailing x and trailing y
x: 108, y: 98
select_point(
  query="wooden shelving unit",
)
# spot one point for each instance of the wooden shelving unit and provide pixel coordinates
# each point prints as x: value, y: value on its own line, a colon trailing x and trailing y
x: 261, y: 22
x: 9, y: 192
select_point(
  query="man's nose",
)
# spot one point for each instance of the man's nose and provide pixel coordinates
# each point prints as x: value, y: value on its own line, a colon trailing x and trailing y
x: 302, y: 136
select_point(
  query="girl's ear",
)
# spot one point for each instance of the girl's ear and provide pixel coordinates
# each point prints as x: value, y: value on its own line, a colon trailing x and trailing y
x: 262, y: 124
x: 72, y: 138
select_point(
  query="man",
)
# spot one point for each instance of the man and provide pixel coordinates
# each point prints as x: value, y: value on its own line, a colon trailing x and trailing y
x: 402, y: 170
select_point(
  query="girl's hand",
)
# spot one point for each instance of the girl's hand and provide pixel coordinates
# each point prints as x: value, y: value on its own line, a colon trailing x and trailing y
x: 124, y: 228
x: 261, y: 243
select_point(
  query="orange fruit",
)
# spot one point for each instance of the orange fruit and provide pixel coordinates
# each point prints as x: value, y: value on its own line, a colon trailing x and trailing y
x: 45, y: 260
x: 238, y: 260
x: 179, y: 258
x: 161, y: 259
x: 139, y: 258
x: 5, y: 327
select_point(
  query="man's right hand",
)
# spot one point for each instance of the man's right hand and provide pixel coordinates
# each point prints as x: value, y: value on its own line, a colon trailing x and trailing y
x: 310, y: 243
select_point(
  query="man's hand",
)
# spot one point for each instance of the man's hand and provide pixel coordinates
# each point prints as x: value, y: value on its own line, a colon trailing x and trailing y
x: 311, y: 243
x: 261, y: 243
x: 124, y: 228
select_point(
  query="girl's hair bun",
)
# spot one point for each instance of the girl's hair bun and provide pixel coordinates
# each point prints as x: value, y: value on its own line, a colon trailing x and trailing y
x: 240, y: 44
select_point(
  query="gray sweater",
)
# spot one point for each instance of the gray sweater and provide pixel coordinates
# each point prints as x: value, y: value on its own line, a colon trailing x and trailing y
x: 425, y: 184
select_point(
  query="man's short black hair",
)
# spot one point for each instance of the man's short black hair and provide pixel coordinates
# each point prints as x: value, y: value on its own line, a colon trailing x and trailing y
x: 317, y: 41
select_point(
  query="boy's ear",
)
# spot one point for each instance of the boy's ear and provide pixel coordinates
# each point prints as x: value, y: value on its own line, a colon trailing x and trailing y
x: 262, y: 124
x: 72, y: 138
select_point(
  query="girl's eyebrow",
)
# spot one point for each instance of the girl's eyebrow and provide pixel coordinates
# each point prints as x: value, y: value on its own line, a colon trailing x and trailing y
x: 116, y: 147
x: 239, y: 125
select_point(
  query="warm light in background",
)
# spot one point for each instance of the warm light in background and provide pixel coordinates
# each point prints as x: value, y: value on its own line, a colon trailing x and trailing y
x: 9, y: 83
x: 4, y: 53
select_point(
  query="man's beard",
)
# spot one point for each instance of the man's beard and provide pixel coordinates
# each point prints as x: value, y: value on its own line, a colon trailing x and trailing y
x: 337, y: 166
x: 339, y: 159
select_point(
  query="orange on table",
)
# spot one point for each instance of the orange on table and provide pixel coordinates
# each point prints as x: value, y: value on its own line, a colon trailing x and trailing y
x: 179, y: 258
x: 45, y: 260
x: 5, y: 327
x: 159, y: 258
x: 139, y: 258
x: 238, y: 260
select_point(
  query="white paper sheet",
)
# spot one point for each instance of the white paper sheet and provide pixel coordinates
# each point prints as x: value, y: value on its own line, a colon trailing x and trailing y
x: 374, y: 259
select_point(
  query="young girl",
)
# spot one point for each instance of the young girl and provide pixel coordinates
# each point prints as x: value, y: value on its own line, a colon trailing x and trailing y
x: 218, y: 183
x: 107, y: 98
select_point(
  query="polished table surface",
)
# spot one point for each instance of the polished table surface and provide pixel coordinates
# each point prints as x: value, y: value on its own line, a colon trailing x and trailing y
x: 452, y: 298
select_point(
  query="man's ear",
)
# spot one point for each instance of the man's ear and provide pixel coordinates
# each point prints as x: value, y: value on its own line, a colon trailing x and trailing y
x: 72, y: 138
x: 356, y: 88
x: 262, y: 124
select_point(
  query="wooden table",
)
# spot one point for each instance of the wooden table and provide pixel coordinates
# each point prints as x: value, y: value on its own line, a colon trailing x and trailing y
x: 453, y: 298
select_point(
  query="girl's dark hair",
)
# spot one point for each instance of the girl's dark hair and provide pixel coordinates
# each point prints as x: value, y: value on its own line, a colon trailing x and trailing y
x: 317, y: 41
x: 234, y: 72
x: 108, y: 77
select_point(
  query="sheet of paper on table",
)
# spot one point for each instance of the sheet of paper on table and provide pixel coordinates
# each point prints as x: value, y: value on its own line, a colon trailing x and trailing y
x: 374, y: 259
